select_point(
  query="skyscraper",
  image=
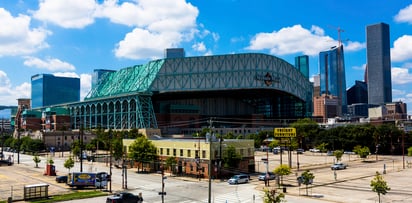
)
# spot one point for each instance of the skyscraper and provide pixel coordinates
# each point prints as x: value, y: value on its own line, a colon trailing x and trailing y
x: 302, y: 64
x: 378, y: 64
x: 332, y: 76
x: 47, y: 89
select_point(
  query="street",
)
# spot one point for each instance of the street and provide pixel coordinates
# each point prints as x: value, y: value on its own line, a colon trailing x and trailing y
x: 351, y: 184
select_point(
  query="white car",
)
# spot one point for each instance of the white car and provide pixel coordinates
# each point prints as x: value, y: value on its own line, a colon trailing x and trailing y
x: 338, y: 166
x: 314, y: 150
x: 236, y: 179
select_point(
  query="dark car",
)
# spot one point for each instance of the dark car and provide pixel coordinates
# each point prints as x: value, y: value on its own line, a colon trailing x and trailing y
x: 61, y: 179
x: 123, y: 197
x: 6, y: 162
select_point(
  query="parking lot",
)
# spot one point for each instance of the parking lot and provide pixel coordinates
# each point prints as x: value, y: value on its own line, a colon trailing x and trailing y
x: 350, y: 185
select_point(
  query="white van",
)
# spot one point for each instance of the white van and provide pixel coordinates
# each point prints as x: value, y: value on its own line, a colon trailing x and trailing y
x: 236, y: 179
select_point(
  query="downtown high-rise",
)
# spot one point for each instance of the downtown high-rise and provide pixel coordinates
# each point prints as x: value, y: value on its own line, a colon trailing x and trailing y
x: 332, y: 77
x: 47, y: 90
x: 378, y: 64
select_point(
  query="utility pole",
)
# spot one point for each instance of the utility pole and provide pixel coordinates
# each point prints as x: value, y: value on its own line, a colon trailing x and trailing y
x: 81, y: 146
x: 110, y: 159
x: 210, y: 160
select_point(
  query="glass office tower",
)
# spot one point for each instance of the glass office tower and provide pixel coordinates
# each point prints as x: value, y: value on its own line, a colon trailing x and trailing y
x: 47, y: 89
x: 302, y: 64
x: 379, y: 64
x: 332, y: 76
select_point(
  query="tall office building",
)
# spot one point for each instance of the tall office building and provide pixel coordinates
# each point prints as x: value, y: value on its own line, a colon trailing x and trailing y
x: 47, y: 89
x: 302, y: 64
x: 378, y: 64
x: 332, y: 76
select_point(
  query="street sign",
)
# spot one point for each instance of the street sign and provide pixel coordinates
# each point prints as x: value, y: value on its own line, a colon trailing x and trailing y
x: 285, y: 132
x: 162, y: 193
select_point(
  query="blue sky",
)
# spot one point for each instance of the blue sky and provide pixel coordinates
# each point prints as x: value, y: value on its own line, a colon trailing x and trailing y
x: 74, y: 37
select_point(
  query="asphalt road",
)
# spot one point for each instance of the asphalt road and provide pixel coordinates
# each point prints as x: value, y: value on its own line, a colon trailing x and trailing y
x: 351, y: 185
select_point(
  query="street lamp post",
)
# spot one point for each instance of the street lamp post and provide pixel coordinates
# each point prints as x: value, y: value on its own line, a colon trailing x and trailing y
x: 110, y: 165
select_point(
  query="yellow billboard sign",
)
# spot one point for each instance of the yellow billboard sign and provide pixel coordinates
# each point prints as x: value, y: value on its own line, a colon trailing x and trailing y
x: 285, y: 132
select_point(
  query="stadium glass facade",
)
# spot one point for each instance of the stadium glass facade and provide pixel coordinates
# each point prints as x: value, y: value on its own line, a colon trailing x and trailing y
x: 379, y: 64
x: 187, y: 91
x: 332, y: 76
x: 50, y: 90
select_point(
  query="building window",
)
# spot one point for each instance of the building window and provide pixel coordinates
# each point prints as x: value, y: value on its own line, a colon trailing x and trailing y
x: 197, y: 153
x: 181, y: 152
x: 191, y: 167
x: 188, y: 153
x: 161, y: 151
x: 167, y: 151
x: 203, y: 154
x: 241, y: 152
x: 174, y: 152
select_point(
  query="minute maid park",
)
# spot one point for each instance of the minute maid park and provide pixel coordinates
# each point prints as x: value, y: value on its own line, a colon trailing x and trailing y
x: 237, y: 90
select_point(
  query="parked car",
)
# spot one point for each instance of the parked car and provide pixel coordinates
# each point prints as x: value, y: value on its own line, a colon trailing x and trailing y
x: 314, y: 150
x: 338, y: 166
x: 237, y: 179
x: 300, y: 151
x: 6, y: 162
x: 124, y: 197
x: 61, y: 179
x: 267, y: 176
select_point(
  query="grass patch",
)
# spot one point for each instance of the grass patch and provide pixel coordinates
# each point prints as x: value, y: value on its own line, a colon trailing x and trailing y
x: 71, y: 196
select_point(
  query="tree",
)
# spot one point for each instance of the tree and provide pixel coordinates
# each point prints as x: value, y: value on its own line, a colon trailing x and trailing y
x: 231, y: 158
x: 410, y: 151
x: 363, y: 152
x: 307, y: 179
x: 338, y: 154
x: 379, y: 185
x: 69, y: 163
x: 271, y: 196
x: 322, y: 147
x: 170, y: 162
x: 36, y: 160
x: 143, y: 151
x: 282, y: 170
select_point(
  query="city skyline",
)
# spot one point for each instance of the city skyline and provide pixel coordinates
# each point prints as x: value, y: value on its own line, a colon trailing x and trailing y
x: 72, y: 38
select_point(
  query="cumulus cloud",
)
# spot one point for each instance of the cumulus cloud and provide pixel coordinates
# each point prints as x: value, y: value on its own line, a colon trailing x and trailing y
x: 296, y: 39
x: 401, y: 76
x: 402, y: 48
x: 158, y: 25
x: 143, y: 44
x: 50, y: 64
x: 200, y: 46
x: 396, y: 92
x: 16, y: 36
x: 67, y: 13
x: 10, y: 94
x: 404, y: 15
x: 362, y: 67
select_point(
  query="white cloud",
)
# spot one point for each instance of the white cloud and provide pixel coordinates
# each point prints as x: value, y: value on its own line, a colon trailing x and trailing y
x: 200, y: 46
x: 354, y: 46
x: 402, y: 48
x: 401, y: 76
x: 143, y: 44
x: 85, y: 84
x: 67, y: 13
x: 158, y: 25
x: 398, y: 92
x: 296, y: 39
x: 16, y: 36
x: 9, y: 94
x: 50, y: 64
x: 404, y: 15
x: 362, y: 67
